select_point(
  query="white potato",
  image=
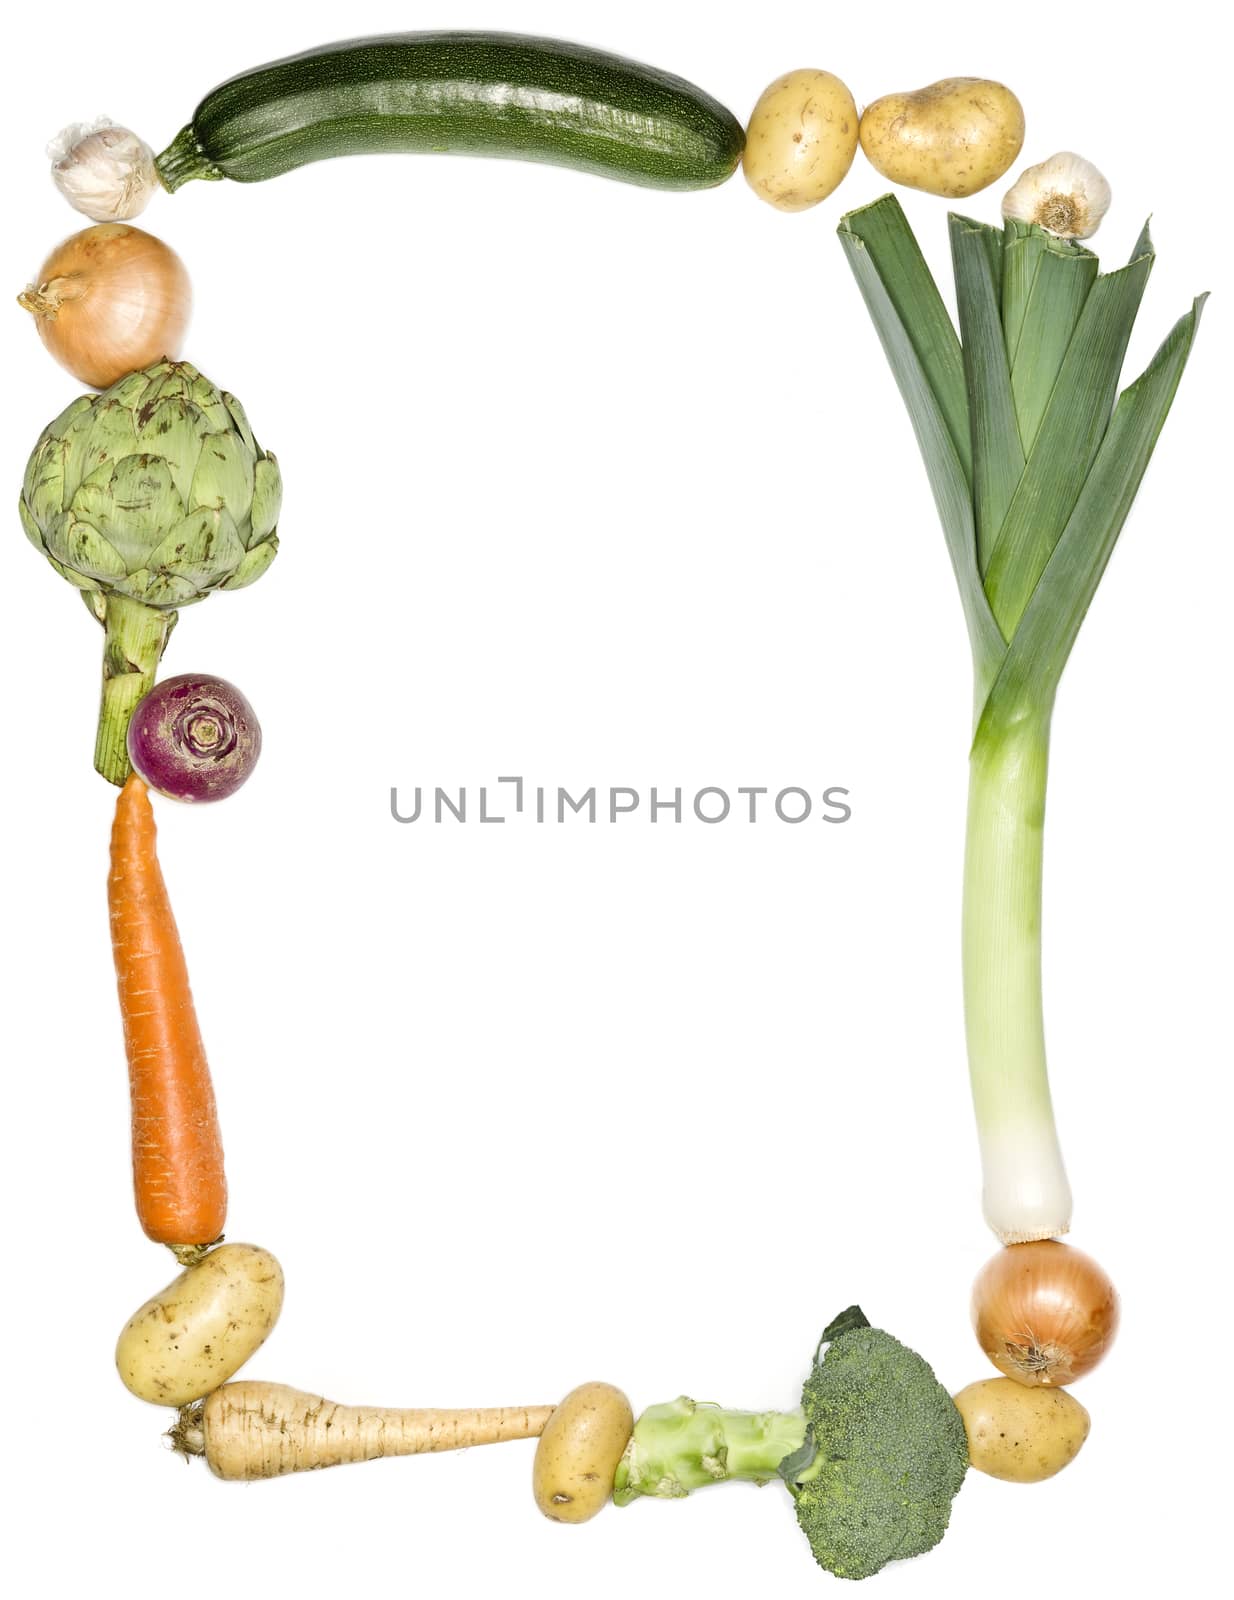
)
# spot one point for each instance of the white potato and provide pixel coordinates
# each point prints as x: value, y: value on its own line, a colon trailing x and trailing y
x: 801, y: 139
x: 578, y: 1452
x: 1019, y: 1432
x: 953, y: 138
x: 203, y: 1327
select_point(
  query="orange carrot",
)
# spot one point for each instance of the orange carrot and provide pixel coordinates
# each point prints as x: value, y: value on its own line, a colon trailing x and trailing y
x: 178, y: 1180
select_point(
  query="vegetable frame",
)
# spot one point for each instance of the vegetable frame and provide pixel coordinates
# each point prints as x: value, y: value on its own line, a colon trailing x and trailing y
x: 1034, y: 467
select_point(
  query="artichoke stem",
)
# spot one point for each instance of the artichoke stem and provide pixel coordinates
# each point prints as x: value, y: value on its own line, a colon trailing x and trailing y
x: 134, y: 638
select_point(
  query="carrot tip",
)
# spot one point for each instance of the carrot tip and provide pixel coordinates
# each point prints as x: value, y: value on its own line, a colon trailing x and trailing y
x: 188, y: 1255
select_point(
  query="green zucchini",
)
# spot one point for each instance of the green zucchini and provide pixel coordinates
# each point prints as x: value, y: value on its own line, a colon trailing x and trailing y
x: 492, y: 94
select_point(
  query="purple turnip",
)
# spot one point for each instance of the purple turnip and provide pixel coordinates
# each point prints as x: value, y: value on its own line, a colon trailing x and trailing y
x: 194, y: 737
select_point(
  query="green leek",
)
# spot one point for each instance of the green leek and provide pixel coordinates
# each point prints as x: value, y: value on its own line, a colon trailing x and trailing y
x: 1034, y: 459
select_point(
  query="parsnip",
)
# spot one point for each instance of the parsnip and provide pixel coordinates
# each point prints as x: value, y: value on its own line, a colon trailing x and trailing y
x: 263, y: 1430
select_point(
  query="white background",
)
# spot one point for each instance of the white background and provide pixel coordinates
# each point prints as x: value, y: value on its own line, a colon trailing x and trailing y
x: 599, y: 485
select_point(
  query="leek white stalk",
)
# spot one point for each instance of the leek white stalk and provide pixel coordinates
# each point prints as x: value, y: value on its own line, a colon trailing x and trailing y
x: 1026, y: 1194
x: 1034, y: 464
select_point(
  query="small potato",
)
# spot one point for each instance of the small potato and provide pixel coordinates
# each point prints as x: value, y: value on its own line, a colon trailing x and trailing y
x: 953, y: 138
x: 578, y: 1452
x: 1023, y: 1435
x: 202, y: 1327
x: 801, y: 140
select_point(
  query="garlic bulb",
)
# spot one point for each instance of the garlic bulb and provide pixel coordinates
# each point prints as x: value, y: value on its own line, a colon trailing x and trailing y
x: 1065, y: 195
x: 103, y: 171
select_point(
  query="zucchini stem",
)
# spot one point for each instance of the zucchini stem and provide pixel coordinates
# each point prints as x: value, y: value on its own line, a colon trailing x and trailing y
x: 183, y: 160
x: 1025, y: 1194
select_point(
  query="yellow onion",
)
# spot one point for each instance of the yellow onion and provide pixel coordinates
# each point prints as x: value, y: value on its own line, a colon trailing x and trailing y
x: 1044, y: 1313
x: 109, y: 300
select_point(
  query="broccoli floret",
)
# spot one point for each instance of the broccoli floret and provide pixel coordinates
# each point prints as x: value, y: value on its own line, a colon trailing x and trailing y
x: 885, y: 1453
x: 873, y: 1459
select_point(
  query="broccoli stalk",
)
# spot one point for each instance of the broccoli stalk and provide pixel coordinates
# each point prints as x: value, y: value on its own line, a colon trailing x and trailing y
x: 873, y: 1459
x: 684, y: 1444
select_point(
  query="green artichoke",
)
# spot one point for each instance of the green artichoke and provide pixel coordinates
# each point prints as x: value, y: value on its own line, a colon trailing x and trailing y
x: 148, y: 497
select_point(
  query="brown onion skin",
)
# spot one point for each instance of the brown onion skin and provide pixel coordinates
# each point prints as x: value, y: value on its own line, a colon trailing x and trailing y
x: 1044, y: 1313
x: 110, y: 300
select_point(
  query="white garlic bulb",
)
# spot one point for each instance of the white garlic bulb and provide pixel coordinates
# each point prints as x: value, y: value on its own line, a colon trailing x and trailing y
x: 104, y: 171
x: 1065, y: 195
